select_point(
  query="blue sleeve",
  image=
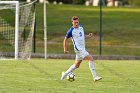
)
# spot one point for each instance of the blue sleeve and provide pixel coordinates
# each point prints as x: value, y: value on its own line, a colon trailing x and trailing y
x: 69, y: 33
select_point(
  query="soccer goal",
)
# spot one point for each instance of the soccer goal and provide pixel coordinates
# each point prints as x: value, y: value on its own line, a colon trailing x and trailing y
x: 17, y: 23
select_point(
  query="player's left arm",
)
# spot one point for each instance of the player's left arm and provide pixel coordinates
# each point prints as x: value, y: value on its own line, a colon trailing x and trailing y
x: 89, y: 35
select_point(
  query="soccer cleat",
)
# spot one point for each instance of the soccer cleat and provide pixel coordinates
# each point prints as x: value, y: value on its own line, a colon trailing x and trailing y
x: 63, y: 76
x: 97, y: 78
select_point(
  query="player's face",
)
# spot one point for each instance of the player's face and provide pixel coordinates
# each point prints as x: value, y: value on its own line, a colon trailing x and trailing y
x: 75, y: 23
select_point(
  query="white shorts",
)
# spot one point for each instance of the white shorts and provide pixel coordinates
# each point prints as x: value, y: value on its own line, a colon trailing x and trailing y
x: 80, y: 55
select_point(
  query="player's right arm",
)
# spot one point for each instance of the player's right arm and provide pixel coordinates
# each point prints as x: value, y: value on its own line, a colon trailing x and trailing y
x: 65, y: 42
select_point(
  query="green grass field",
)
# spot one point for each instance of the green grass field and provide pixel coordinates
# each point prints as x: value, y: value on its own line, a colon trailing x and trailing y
x: 43, y: 76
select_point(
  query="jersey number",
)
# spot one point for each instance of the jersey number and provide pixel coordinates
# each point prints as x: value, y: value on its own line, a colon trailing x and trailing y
x: 80, y: 33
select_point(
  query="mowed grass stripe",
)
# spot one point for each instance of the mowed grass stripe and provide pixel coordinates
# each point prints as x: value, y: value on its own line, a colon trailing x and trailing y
x: 44, y: 77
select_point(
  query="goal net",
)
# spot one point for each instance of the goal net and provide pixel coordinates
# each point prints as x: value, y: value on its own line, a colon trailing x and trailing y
x: 17, y: 22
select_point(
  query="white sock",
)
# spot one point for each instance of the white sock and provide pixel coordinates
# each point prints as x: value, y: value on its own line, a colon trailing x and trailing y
x: 92, y: 68
x: 71, y: 68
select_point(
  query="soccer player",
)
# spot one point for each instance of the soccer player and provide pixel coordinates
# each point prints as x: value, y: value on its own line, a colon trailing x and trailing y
x: 76, y: 33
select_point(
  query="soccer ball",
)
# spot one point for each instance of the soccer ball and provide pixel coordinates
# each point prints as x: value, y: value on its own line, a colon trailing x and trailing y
x: 71, y: 77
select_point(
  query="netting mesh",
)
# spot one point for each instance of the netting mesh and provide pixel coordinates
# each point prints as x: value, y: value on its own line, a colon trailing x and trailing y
x: 25, y: 31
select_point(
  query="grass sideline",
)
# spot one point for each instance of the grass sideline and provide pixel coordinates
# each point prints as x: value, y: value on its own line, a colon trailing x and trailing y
x: 43, y: 76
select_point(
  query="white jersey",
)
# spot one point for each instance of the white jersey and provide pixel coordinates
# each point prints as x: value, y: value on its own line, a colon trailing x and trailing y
x: 78, y: 37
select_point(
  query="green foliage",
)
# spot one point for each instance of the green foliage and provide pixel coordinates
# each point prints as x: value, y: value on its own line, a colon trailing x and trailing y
x: 69, y: 1
x: 51, y: 0
x: 78, y: 1
x: 23, y: 0
x: 64, y: 1
x: 134, y: 2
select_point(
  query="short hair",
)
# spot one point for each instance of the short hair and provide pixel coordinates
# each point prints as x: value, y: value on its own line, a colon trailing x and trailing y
x: 74, y: 18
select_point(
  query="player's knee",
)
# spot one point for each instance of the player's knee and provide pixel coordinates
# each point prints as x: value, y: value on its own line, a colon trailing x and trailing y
x: 90, y: 58
x: 77, y: 65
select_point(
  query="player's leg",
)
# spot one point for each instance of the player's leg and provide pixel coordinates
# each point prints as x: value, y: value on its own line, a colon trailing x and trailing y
x: 92, y: 68
x: 91, y: 65
x: 71, y: 68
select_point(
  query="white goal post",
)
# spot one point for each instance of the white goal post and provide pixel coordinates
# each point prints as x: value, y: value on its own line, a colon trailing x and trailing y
x: 16, y: 23
x: 20, y: 34
x: 45, y: 31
